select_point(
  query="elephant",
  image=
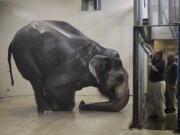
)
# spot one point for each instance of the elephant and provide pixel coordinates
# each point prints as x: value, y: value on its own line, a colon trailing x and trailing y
x: 58, y: 60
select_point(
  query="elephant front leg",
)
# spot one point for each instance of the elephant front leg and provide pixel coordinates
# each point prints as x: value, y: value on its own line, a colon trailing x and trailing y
x: 110, y: 106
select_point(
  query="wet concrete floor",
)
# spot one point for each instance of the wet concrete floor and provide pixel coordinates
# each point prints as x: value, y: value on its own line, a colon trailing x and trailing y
x: 18, y: 116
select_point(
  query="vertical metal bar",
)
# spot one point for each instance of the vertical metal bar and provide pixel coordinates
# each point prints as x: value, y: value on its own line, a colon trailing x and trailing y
x: 135, y: 122
x: 135, y: 12
x: 178, y: 12
x: 160, y: 12
x: 139, y: 12
x: 175, y: 11
x: 170, y: 17
x: 145, y: 4
x: 171, y: 11
x: 178, y: 88
x: 149, y: 13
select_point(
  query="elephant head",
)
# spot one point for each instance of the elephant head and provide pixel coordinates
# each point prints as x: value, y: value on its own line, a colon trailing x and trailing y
x: 112, y: 82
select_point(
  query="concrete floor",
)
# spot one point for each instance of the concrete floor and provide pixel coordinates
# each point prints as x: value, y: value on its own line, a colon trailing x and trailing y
x: 18, y: 116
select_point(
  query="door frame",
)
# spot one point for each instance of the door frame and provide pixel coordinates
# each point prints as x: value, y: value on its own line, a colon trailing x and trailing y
x: 136, y: 120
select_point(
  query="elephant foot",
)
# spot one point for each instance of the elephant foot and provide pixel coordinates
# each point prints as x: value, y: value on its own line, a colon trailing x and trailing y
x: 44, y: 110
x: 56, y: 107
x: 62, y: 108
x: 81, y: 105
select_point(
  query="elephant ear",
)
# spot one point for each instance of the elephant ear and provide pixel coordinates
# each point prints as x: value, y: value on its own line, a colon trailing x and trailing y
x: 98, y: 65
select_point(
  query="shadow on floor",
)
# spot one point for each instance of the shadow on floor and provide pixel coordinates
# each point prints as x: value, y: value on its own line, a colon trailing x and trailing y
x: 169, y: 124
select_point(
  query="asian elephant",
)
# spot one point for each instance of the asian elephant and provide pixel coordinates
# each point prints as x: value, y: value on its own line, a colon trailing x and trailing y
x: 59, y: 60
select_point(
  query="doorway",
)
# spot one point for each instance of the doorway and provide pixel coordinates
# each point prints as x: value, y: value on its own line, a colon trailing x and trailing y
x: 143, y: 50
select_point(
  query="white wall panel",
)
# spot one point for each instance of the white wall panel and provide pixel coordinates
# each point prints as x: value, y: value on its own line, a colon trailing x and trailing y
x: 111, y: 27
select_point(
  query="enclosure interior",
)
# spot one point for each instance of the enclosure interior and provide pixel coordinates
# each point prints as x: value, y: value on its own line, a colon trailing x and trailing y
x: 111, y: 27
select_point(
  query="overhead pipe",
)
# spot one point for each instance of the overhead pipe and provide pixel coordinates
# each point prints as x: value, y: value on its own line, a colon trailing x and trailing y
x: 85, y: 4
x: 97, y: 4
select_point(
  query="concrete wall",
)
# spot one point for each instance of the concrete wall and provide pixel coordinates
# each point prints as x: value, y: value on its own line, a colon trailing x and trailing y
x: 111, y: 27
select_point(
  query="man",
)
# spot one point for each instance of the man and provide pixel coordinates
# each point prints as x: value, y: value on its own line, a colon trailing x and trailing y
x: 170, y: 78
x: 157, y: 87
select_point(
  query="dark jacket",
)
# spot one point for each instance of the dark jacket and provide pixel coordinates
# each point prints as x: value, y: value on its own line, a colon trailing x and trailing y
x: 157, y: 76
x: 171, y: 73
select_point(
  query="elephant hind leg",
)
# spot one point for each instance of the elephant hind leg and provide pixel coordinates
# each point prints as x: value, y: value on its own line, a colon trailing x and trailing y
x: 61, y: 100
x: 30, y: 71
x: 59, y: 91
x: 66, y: 104
x: 41, y: 102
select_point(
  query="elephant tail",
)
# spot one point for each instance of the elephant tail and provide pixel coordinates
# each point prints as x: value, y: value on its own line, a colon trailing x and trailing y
x: 9, y: 62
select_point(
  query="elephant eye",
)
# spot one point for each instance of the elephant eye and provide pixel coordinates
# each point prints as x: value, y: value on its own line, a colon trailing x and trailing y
x: 120, y: 78
x: 103, y: 62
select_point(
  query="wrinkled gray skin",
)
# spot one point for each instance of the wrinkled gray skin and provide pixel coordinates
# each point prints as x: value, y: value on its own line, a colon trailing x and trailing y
x: 58, y: 60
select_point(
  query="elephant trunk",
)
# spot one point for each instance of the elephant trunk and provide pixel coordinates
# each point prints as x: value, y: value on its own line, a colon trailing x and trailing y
x: 114, y: 105
x: 122, y: 93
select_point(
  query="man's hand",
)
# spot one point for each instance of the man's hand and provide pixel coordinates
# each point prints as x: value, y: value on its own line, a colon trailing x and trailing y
x: 153, y: 67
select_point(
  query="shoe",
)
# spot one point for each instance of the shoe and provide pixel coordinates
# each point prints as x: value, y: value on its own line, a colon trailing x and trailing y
x: 167, y: 110
x: 172, y: 110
